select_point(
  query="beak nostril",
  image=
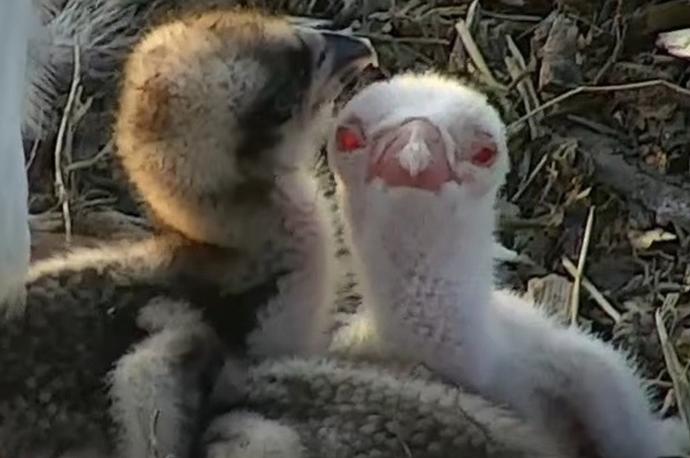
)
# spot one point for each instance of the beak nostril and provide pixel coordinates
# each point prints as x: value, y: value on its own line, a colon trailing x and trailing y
x: 412, y: 157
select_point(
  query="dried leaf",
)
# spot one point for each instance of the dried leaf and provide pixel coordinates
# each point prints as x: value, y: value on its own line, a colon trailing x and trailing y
x: 676, y: 43
x: 643, y: 240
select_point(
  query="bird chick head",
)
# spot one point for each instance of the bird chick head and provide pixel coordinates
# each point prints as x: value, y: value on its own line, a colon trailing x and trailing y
x: 417, y: 144
x: 215, y: 106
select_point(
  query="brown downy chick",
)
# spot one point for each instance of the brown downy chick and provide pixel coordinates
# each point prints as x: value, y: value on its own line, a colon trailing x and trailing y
x: 220, y: 122
x: 218, y: 130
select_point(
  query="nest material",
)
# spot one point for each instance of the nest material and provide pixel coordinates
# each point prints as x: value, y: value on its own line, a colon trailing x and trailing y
x: 598, y: 122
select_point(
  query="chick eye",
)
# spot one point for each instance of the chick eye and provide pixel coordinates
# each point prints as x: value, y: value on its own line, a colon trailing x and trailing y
x: 348, y: 139
x: 485, y: 157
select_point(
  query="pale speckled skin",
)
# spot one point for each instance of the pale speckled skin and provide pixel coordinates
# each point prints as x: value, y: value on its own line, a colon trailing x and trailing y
x: 224, y: 160
x: 425, y: 261
x: 345, y: 409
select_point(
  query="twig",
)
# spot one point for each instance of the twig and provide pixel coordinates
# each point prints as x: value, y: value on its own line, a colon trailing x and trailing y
x: 530, y: 178
x: 515, y: 71
x: 312, y: 4
x: 595, y: 126
x: 513, y: 84
x: 90, y: 162
x: 472, y: 13
x: 32, y: 155
x: 595, y: 89
x: 475, y: 54
x: 517, y: 67
x: 529, y: 84
x: 439, y: 11
x: 620, y: 34
x: 407, y: 7
x: 512, y: 17
x: 593, y: 291
x: 413, y: 40
x: 668, y: 402
x: 62, y: 195
x: 577, y: 280
x: 678, y: 375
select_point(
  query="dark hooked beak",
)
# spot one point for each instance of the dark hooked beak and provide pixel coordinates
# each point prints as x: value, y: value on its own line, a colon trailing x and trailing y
x: 349, y: 54
x: 338, y: 56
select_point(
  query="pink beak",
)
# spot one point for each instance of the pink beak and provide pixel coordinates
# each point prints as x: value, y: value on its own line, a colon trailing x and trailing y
x: 415, y: 157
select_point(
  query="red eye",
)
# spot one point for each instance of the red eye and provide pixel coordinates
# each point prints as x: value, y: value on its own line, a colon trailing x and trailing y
x: 348, y: 139
x: 485, y: 157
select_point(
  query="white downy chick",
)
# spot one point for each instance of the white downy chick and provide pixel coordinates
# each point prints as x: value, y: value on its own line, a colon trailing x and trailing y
x: 418, y: 161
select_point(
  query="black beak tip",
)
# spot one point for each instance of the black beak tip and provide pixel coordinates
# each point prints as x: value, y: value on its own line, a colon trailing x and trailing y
x: 349, y: 52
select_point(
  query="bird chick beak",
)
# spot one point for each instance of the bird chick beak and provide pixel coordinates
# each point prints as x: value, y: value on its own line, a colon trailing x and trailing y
x: 412, y: 155
x: 338, y: 58
x: 349, y: 54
